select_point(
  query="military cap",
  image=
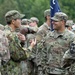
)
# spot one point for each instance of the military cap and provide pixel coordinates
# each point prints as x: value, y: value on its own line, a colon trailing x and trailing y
x: 34, y: 19
x: 69, y: 23
x: 29, y: 21
x: 59, y: 16
x: 24, y: 21
x: 13, y: 14
x: 46, y: 12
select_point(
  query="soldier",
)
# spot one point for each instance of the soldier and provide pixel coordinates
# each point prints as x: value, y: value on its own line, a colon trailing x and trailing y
x: 43, y: 29
x: 52, y: 48
x: 4, y: 50
x: 34, y: 23
x: 34, y: 26
x: 42, y: 32
x: 18, y: 53
x: 39, y: 35
x: 69, y: 24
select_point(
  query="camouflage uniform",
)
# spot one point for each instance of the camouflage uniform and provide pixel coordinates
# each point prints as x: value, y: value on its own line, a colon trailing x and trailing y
x: 69, y: 59
x: 41, y: 33
x: 51, y: 49
x: 16, y: 65
x: 34, y: 23
x: 34, y: 27
x: 4, y: 51
x: 31, y: 65
x: 45, y: 28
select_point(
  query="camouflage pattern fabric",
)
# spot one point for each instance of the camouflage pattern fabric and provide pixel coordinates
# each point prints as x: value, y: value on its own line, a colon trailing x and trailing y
x: 16, y: 65
x: 51, y: 50
x: 30, y: 63
x: 69, y: 59
x: 42, y: 31
x: 44, y: 26
x: 4, y: 50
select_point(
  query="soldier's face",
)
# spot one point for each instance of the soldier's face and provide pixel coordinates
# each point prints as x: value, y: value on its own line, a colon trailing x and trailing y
x: 32, y: 24
x: 57, y: 25
x: 17, y: 23
x: 48, y: 17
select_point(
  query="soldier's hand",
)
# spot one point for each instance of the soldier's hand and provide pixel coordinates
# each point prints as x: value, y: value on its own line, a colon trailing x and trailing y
x: 32, y: 42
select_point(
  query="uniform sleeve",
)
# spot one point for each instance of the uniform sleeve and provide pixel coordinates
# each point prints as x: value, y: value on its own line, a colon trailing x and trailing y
x: 69, y: 55
x: 16, y: 51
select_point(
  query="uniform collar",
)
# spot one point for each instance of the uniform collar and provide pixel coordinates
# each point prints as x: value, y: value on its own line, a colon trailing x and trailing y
x: 9, y: 28
x: 56, y: 34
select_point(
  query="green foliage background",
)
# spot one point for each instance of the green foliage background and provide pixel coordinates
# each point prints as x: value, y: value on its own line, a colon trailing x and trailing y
x: 68, y: 6
x: 35, y: 8
x: 28, y: 7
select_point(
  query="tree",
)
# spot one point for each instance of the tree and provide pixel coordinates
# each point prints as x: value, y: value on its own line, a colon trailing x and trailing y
x: 6, y: 6
x: 28, y: 7
x: 68, y: 6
